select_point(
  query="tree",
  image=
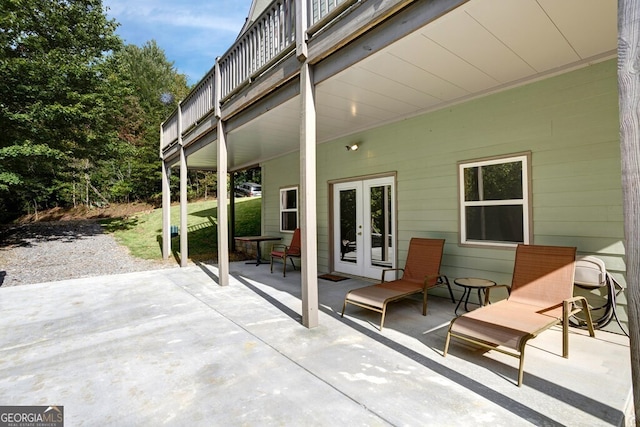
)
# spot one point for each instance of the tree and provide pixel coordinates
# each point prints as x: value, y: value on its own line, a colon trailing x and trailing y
x: 51, y: 97
x: 147, y: 83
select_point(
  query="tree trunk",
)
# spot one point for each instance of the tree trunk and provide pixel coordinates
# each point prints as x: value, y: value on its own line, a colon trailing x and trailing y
x: 629, y: 98
x: 95, y: 190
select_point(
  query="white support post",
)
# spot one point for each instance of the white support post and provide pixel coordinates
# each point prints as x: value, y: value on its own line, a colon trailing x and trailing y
x: 308, y: 217
x: 222, y: 170
x: 166, y: 211
x: 184, y: 242
x: 166, y: 201
x: 223, y: 217
x: 629, y: 104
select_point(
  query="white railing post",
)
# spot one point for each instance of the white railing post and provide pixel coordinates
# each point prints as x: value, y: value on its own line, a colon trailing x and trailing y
x: 302, y: 23
x: 217, y: 88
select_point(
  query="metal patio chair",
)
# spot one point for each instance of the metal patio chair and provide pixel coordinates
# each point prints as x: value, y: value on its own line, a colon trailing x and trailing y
x: 541, y: 296
x: 281, y: 251
x: 421, y: 272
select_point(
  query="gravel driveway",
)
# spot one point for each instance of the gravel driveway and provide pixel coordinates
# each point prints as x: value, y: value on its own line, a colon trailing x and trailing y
x: 45, y: 252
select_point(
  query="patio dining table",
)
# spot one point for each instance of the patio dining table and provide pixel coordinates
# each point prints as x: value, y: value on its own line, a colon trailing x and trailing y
x: 258, y: 240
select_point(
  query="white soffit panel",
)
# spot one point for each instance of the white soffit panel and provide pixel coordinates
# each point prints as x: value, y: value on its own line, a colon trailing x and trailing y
x: 343, y: 113
x: 414, y: 71
x: 525, y: 28
x: 463, y: 36
x: 591, y: 26
x: 375, y: 91
x: 397, y: 88
x: 448, y: 66
x: 358, y: 102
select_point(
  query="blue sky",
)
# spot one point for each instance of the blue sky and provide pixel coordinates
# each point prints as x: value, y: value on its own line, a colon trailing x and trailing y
x: 192, y: 33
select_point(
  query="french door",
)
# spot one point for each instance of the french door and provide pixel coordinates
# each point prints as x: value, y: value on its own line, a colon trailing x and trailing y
x: 364, y: 226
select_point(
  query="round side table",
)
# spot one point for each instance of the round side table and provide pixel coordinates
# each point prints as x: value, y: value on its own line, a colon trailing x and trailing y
x: 469, y: 284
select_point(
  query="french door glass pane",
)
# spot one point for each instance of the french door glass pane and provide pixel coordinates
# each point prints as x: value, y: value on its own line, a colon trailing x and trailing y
x: 348, y: 226
x: 381, y: 222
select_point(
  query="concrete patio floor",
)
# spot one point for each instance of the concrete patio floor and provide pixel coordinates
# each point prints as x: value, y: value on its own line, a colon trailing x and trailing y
x: 171, y: 347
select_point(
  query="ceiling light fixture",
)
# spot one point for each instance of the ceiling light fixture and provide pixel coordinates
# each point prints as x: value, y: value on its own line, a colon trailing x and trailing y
x: 352, y: 147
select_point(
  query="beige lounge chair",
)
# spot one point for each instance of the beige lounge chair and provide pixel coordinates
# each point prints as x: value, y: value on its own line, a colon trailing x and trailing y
x: 421, y: 272
x: 280, y: 251
x: 541, y: 296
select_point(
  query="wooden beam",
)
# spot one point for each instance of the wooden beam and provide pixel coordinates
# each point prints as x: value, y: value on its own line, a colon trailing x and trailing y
x: 629, y: 97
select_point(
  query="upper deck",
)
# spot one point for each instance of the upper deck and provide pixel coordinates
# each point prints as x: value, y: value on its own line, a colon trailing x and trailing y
x: 376, y: 62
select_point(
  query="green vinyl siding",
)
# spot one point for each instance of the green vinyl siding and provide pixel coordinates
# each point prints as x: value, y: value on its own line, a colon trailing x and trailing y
x: 570, y: 125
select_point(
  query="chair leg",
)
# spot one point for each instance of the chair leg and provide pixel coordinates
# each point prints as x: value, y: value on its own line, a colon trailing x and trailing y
x: 587, y: 315
x: 344, y: 306
x: 521, y: 368
x: 446, y: 280
x: 292, y: 263
x: 424, y: 303
x: 284, y: 266
x: 384, y: 312
x: 271, y: 264
x: 565, y: 328
x: 446, y: 343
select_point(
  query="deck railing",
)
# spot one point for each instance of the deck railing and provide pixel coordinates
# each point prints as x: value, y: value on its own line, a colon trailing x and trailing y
x: 323, y: 8
x: 271, y: 37
x: 199, y: 103
x: 170, y: 130
x: 272, y: 33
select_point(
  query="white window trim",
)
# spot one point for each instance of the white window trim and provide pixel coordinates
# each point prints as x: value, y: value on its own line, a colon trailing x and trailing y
x: 525, y: 202
x: 283, y: 191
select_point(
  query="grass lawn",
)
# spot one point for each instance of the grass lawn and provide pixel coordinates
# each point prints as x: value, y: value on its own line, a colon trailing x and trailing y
x: 142, y: 234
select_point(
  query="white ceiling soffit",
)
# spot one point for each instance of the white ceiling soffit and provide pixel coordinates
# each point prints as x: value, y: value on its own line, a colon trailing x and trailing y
x: 483, y: 46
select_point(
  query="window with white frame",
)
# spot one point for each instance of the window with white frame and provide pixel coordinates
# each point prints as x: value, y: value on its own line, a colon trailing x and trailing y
x: 494, y: 201
x: 288, y: 208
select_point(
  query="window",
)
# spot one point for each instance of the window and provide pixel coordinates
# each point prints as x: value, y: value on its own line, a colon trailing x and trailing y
x: 494, y: 201
x: 288, y: 209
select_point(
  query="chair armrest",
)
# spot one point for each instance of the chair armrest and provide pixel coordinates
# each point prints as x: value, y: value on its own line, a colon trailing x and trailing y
x: 569, y: 304
x: 436, y: 276
x: 487, y: 291
x: 567, y: 311
x: 390, y: 269
x: 279, y: 247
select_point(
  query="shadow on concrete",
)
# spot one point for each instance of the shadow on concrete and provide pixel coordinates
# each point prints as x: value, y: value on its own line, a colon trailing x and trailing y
x: 435, y: 343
